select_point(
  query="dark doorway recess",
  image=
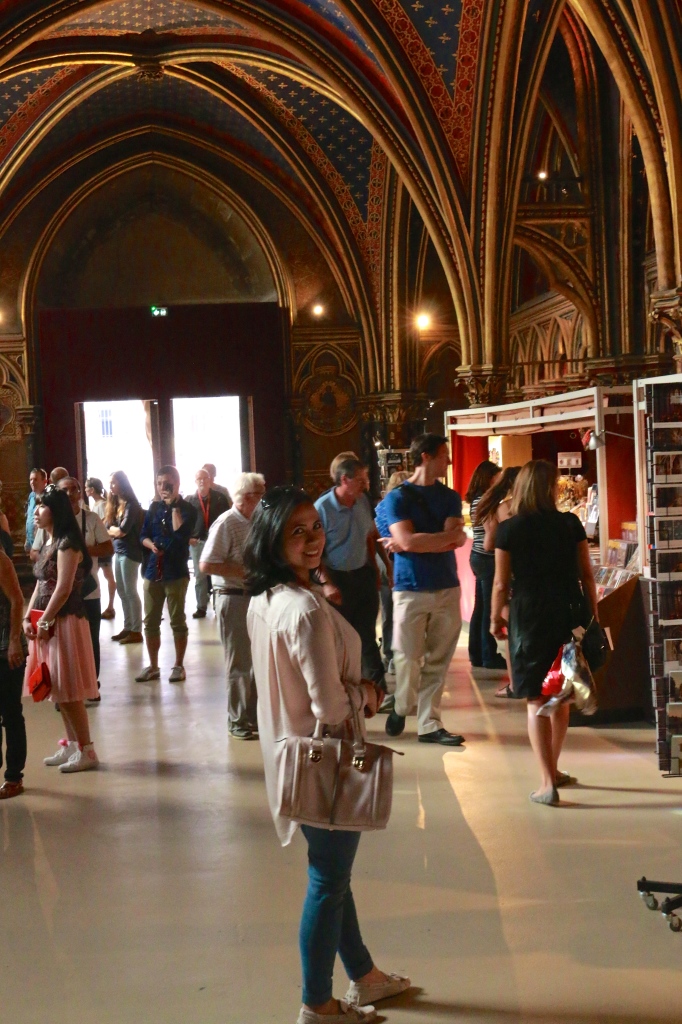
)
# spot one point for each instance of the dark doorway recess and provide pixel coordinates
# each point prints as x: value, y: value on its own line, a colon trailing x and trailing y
x: 193, y: 351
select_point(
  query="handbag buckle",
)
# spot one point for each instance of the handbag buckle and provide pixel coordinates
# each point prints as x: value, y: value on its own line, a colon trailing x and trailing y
x: 359, y: 762
x: 315, y: 756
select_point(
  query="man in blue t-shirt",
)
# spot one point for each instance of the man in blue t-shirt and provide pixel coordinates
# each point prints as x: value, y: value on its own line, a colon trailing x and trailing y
x: 421, y: 523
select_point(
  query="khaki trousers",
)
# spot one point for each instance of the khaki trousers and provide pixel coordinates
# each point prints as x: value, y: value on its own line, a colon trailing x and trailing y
x: 231, y: 612
x: 426, y: 626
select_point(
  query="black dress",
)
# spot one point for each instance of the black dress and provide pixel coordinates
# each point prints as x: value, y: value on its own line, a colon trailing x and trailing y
x: 545, y: 601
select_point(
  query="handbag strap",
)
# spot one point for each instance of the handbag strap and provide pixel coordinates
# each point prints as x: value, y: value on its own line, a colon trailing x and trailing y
x: 359, y: 735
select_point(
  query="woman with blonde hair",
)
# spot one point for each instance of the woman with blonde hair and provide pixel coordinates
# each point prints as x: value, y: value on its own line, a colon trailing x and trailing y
x: 545, y: 553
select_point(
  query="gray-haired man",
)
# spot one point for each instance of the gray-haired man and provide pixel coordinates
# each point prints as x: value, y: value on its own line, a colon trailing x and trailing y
x: 222, y: 559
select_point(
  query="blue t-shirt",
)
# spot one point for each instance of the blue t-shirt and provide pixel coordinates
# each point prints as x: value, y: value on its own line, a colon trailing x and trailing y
x: 427, y: 508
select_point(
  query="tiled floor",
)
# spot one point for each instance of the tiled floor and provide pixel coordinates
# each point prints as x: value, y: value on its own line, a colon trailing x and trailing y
x: 154, y: 891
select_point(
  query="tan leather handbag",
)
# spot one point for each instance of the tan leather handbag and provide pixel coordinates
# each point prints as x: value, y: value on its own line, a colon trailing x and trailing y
x: 337, y: 783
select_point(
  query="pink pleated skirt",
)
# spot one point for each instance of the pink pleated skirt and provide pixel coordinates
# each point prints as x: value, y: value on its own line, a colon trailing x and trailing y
x: 69, y: 658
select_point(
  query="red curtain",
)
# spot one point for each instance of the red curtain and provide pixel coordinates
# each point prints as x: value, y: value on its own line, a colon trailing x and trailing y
x: 467, y: 453
x: 109, y: 354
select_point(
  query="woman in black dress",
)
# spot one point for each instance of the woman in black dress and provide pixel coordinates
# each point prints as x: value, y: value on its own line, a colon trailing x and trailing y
x: 542, y: 557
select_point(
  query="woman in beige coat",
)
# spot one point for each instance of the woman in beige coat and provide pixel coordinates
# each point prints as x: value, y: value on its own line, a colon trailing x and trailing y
x: 306, y: 661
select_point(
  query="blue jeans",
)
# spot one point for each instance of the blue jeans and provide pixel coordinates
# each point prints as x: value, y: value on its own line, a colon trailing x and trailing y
x: 329, y: 924
x: 482, y: 644
x: 127, y: 572
x: 200, y: 578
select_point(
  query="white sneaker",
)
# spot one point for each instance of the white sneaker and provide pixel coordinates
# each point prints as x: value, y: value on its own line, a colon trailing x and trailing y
x: 360, y: 993
x: 64, y: 751
x: 82, y: 760
x: 349, y: 1015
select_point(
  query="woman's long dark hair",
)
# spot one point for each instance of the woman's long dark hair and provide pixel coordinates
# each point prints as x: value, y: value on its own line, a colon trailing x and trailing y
x: 481, y: 480
x: 114, y: 501
x: 263, y: 558
x: 65, y: 530
x: 493, y: 497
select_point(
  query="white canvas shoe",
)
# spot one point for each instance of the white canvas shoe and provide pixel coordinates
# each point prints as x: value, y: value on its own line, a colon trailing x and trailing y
x: 64, y: 751
x: 82, y: 760
x: 349, y: 1015
x: 360, y: 992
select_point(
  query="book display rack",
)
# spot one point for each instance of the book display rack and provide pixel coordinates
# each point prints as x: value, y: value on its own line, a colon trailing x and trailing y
x: 663, y: 582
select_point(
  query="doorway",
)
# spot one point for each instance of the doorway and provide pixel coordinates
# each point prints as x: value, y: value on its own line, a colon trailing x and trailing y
x: 207, y: 430
x: 118, y: 436
x: 138, y: 436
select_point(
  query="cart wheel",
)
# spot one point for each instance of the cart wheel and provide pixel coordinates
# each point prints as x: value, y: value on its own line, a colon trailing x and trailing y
x: 675, y: 923
x: 650, y: 900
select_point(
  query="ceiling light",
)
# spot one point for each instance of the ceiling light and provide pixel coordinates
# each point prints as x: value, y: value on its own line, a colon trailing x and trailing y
x: 423, y: 321
x: 318, y: 310
x: 542, y: 175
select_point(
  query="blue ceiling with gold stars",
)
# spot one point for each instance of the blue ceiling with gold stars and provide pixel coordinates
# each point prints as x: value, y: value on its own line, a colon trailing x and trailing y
x: 343, y: 139
x: 21, y: 89
x: 122, y: 16
x: 168, y: 101
x: 437, y: 22
x: 331, y: 12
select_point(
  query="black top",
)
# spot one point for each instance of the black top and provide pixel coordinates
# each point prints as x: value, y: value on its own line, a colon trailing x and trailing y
x: 214, y: 504
x: 7, y: 543
x: 129, y: 522
x: 45, y: 571
x: 543, y: 551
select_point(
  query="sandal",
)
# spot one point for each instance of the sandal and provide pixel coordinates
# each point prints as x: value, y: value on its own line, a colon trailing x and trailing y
x: 564, y: 779
x: 505, y: 691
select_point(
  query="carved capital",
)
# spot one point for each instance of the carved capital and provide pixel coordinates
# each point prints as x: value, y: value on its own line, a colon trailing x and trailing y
x: 149, y: 69
x: 27, y: 417
x: 484, y: 385
x: 666, y: 312
x: 394, y: 414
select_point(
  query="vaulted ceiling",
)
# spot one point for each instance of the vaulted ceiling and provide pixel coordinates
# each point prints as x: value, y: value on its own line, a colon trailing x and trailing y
x: 320, y: 102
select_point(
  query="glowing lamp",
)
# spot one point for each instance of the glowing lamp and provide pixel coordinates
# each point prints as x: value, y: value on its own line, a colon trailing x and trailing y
x: 423, y: 321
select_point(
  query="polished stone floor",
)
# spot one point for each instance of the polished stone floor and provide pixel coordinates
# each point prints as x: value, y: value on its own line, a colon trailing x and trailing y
x: 154, y: 891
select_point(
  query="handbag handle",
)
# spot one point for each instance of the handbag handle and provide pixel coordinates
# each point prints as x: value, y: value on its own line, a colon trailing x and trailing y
x: 359, y: 739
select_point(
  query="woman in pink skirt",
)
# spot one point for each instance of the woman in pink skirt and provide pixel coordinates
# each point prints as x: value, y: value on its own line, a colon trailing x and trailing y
x: 62, y: 639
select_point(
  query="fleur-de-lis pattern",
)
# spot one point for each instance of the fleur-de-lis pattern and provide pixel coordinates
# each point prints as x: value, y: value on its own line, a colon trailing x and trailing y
x: 164, y: 101
x: 119, y: 17
x: 343, y: 139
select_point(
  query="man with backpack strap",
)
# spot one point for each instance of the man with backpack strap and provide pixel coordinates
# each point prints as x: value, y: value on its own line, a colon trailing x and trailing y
x: 421, y: 523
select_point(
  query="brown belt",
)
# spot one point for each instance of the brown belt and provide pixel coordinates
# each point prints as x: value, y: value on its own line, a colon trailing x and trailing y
x: 230, y: 592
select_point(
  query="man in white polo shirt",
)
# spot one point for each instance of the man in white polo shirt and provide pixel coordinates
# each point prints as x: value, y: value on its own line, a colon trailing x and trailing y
x: 349, y: 561
x: 222, y: 559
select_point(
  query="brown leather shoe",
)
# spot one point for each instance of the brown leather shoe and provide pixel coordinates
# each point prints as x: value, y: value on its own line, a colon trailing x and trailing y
x: 109, y: 614
x: 132, y: 638
x: 10, y: 789
x: 120, y: 636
